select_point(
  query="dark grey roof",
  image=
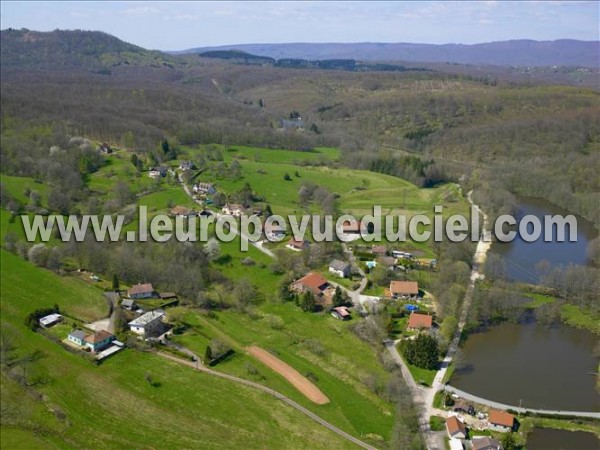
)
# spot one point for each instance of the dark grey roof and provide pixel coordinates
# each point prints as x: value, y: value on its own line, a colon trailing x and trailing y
x: 78, y: 334
x: 127, y: 302
x: 339, y: 265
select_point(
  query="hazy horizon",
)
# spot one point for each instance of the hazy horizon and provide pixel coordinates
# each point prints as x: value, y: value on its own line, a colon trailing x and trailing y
x: 175, y: 26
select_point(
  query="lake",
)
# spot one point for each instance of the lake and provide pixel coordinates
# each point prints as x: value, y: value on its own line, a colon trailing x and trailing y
x: 548, y: 367
x: 521, y: 257
x: 549, y: 439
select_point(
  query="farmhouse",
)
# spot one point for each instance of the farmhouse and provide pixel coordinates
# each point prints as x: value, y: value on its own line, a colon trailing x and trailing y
x: 204, y: 188
x: 297, y: 245
x: 141, y: 291
x: 341, y: 313
x: 315, y: 283
x: 404, y: 289
x: 417, y: 322
x: 485, y: 443
x: 77, y: 337
x: 233, y: 209
x: 340, y: 268
x: 455, y: 428
x: 182, y: 211
x: 292, y: 124
x: 99, y: 340
x: 49, y: 320
x: 147, y: 324
x: 501, y: 420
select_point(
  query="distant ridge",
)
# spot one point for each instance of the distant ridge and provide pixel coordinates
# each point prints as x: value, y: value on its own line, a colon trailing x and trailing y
x: 564, y: 52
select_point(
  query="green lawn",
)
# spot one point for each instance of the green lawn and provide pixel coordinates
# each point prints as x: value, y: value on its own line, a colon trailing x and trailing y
x: 421, y: 376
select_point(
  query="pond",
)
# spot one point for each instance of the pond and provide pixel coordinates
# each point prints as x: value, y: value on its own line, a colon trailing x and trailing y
x: 549, y: 439
x: 521, y: 257
x: 547, y: 367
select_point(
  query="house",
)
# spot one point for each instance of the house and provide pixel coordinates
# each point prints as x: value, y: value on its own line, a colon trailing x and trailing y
x: 182, y: 211
x: 418, y: 322
x: 204, y: 188
x: 158, y: 172
x: 128, y: 304
x: 186, y: 165
x: 379, y: 250
x: 501, y: 420
x: 315, y: 283
x: 298, y: 246
x: 233, y: 209
x: 455, y: 428
x: 404, y: 289
x: 141, y: 291
x: 98, y: 340
x: 387, y: 261
x: 341, y: 312
x: 77, y: 337
x: 147, y: 324
x: 49, y: 320
x: 292, y: 124
x: 340, y: 268
x: 273, y: 231
x: 485, y: 443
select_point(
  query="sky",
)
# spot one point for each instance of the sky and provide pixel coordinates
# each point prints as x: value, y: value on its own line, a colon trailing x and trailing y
x: 183, y: 25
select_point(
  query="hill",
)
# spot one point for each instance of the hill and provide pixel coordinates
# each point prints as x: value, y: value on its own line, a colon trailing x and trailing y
x: 74, y: 49
x: 564, y: 52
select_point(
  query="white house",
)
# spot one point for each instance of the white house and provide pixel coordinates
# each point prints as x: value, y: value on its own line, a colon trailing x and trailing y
x: 141, y: 291
x: 148, y: 323
x: 340, y: 268
x: 204, y: 188
x: 233, y: 209
x: 49, y: 320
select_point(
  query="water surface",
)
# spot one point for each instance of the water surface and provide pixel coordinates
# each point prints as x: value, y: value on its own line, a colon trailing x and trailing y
x: 549, y: 439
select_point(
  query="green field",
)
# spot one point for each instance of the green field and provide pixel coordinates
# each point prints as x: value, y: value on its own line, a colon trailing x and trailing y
x: 112, y: 405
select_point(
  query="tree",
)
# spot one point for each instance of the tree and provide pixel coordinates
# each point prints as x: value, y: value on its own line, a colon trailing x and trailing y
x: 287, y: 177
x: 166, y: 148
x: 508, y: 441
x: 38, y: 254
x: 307, y: 302
x: 339, y: 299
x: 268, y: 212
x: 115, y: 282
x: 208, y: 356
x: 212, y: 249
x: 422, y: 352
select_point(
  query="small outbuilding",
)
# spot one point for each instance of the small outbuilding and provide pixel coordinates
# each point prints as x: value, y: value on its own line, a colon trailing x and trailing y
x: 501, y: 420
x: 340, y: 268
x: 50, y: 319
x: 77, y: 337
x: 341, y: 313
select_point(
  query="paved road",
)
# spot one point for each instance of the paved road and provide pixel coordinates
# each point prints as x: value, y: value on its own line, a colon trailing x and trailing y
x: 198, y: 366
x: 484, y: 401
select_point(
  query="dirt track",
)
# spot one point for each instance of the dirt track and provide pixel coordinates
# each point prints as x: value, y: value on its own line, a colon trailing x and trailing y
x: 300, y: 382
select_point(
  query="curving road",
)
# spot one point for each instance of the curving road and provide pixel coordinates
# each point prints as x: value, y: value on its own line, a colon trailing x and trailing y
x: 199, y: 366
x: 493, y: 404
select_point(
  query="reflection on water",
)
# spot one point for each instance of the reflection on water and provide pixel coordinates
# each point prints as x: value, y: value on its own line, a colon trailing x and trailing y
x: 548, y: 439
x: 540, y: 366
x: 522, y: 257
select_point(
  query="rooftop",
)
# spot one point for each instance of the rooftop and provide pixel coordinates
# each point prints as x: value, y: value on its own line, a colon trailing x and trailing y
x: 338, y: 265
x: 78, y: 334
x: 98, y: 336
x: 342, y: 311
x: 141, y: 289
x: 501, y: 418
x: 417, y: 320
x: 49, y: 319
x: 404, y: 287
x: 148, y: 317
x: 454, y: 425
x: 313, y: 281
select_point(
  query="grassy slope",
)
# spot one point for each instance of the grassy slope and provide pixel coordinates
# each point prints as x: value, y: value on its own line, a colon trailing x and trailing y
x: 112, y: 406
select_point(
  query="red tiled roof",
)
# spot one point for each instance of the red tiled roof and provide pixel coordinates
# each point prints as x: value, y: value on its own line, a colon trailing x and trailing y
x: 98, y: 336
x: 417, y: 320
x: 404, y: 287
x: 453, y: 425
x: 313, y: 281
x: 501, y: 418
x: 141, y: 288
